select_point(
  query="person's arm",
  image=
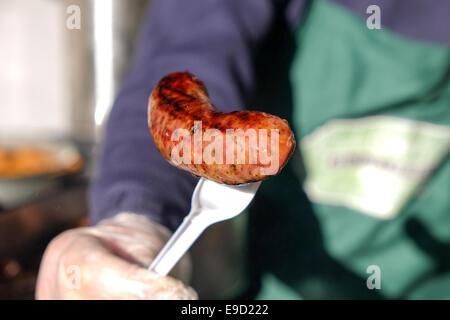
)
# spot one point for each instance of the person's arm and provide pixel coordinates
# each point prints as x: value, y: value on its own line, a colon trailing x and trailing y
x: 213, y: 39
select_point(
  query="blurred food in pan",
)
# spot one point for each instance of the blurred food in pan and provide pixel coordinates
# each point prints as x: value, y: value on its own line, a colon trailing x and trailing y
x: 31, y: 169
x: 28, y: 161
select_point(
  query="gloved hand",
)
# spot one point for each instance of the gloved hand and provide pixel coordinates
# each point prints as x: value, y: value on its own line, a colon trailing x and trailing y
x: 109, y: 261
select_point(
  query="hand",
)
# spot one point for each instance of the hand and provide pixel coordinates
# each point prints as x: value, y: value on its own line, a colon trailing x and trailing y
x: 109, y: 261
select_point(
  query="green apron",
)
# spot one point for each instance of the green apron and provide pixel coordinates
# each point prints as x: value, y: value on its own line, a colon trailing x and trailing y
x: 370, y: 182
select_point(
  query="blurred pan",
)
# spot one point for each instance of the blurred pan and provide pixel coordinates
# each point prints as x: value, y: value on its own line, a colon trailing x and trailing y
x: 30, y: 169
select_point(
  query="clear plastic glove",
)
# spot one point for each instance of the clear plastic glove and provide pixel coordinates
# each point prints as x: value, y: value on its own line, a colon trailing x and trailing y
x: 109, y: 261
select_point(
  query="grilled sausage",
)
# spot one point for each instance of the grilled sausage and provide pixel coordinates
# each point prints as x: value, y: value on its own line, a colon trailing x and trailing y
x: 230, y: 148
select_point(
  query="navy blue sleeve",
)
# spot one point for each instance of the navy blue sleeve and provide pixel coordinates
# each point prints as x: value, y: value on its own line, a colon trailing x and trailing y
x: 213, y: 39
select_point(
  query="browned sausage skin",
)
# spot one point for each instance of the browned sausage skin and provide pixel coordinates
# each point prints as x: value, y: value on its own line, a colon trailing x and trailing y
x: 231, y: 148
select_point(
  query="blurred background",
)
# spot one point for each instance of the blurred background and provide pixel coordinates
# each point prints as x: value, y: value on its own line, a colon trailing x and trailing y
x: 61, y: 62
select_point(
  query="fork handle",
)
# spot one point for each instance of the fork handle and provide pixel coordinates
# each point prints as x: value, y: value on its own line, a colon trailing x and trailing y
x: 183, y: 238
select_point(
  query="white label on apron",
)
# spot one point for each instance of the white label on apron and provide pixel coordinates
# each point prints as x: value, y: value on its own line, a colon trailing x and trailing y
x: 373, y: 165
